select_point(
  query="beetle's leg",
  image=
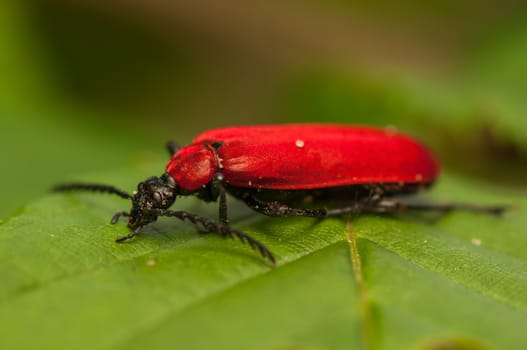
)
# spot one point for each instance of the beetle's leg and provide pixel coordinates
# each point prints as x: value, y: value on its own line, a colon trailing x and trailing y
x: 220, y: 228
x: 117, y: 215
x: 356, y: 207
x: 223, y: 207
x: 389, y: 205
x: 275, y: 208
x: 359, y: 204
x: 130, y: 235
x: 218, y: 183
x: 372, y: 204
x: 172, y: 147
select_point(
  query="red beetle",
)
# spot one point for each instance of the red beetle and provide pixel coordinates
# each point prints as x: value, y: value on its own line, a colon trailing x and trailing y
x: 314, y: 170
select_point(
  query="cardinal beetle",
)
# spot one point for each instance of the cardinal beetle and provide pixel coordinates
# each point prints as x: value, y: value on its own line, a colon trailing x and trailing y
x: 312, y: 170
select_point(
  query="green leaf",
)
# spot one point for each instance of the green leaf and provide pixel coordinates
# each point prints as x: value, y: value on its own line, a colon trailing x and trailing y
x: 370, y: 281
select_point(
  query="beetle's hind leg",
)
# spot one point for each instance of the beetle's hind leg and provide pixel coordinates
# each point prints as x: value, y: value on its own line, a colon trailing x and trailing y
x: 390, y: 205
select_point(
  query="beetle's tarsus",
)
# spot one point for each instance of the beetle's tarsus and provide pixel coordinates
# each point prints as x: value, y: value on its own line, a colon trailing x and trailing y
x: 128, y: 236
x: 118, y: 215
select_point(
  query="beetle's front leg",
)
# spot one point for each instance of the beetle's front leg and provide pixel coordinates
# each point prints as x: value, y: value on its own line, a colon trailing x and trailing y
x: 218, y: 228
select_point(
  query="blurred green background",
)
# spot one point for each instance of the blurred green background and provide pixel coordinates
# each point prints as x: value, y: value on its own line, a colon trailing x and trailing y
x: 90, y: 85
x: 92, y: 89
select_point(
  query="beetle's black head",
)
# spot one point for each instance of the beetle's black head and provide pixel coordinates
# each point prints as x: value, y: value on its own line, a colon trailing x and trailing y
x: 153, y: 193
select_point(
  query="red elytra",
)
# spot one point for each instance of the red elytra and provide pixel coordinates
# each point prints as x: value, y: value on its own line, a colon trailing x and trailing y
x: 298, y: 157
x: 313, y: 170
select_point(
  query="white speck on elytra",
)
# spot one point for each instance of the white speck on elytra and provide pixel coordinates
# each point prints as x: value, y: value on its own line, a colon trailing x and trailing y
x: 150, y: 262
x: 476, y: 241
x: 299, y: 143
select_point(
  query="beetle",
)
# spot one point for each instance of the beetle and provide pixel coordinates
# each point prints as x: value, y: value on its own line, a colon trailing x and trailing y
x: 313, y: 170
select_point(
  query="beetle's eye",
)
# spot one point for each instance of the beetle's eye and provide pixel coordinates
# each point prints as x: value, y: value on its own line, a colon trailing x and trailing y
x: 157, y: 197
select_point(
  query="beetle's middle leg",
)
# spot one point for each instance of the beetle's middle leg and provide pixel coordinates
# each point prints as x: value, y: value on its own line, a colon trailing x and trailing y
x: 275, y: 208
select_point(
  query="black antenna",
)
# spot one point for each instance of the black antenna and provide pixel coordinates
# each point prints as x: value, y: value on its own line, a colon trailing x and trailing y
x: 78, y: 186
